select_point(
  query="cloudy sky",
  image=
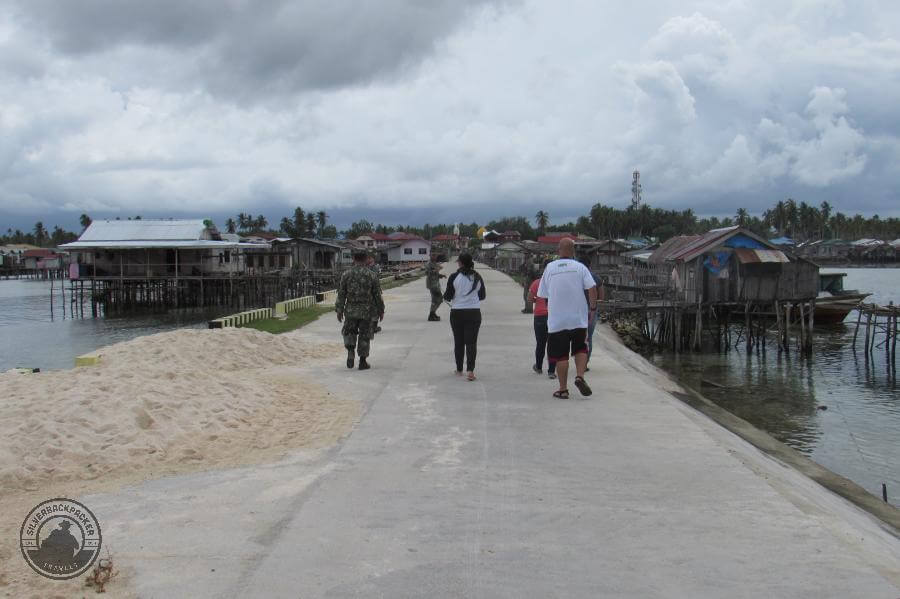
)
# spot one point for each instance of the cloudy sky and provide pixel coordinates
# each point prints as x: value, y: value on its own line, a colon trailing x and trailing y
x: 408, y: 111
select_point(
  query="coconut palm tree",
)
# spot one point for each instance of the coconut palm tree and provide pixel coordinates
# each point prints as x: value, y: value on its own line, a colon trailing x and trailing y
x: 741, y: 217
x: 85, y: 221
x: 542, y: 219
x: 299, y: 221
x: 321, y: 220
x: 310, y: 223
x: 260, y: 223
x: 39, y: 234
x: 230, y: 225
x: 825, y: 216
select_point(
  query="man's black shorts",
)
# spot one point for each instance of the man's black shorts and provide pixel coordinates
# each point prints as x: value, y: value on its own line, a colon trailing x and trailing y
x: 560, y: 343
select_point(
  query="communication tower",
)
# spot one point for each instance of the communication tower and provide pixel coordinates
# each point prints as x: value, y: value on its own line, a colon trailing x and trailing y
x: 636, y: 189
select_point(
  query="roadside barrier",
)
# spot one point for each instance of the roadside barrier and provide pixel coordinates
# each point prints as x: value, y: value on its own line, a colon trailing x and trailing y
x: 297, y: 303
x: 233, y: 320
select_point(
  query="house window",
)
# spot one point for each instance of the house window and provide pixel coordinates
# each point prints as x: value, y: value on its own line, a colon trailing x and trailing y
x: 423, y: 251
x: 407, y: 251
x: 227, y: 256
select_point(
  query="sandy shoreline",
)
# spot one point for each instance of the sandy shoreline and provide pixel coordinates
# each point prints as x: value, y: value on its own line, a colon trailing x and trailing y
x: 157, y: 405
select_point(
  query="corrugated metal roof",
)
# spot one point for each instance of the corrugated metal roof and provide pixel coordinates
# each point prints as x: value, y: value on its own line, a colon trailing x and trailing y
x: 671, y: 246
x: 159, y: 244
x: 144, y: 230
x: 751, y: 256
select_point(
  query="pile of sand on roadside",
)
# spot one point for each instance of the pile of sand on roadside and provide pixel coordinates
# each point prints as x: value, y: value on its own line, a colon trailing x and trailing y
x: 164, y: 403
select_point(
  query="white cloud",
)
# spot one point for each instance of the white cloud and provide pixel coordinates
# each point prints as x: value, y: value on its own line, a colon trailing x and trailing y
x: 489, y: 109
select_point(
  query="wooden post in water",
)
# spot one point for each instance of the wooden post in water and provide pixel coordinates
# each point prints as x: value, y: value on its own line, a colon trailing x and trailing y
x: 787, y: 326
x: 801, y: 343
x: 748, y: 338
x: 809, y: 329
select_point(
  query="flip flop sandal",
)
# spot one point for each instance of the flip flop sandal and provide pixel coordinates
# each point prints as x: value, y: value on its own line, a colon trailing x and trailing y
x: 582, y: 386
x: 564, y: 394
x: 471, y: 377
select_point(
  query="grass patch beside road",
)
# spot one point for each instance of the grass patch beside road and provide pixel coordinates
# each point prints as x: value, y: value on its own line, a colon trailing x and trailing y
x: 304, y: 316
x: 294, y: 320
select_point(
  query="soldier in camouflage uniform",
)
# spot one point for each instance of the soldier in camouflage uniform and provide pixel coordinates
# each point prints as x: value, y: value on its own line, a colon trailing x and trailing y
x: 358, y: 301
x: 433, y: 278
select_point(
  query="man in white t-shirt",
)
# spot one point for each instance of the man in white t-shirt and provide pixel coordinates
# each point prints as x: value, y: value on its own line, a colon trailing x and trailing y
x: 563, y: 284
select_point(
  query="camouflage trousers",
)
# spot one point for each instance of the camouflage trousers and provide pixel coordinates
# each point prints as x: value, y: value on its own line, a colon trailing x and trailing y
x: 436, y: 298
x: 357, y: 333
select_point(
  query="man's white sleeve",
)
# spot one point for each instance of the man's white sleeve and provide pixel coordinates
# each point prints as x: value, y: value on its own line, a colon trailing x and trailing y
x: 544, y: 287
x: 587, y: 278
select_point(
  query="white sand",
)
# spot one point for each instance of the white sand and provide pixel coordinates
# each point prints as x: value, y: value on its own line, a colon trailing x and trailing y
x: 156, y: 405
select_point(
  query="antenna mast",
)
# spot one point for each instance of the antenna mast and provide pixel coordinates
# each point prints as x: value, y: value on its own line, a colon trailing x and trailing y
x: 636, y: 189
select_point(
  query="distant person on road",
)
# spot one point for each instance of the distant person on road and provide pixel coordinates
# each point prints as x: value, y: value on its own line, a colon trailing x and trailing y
x: 358, y: 301
x: 595, y: 314
x: 540, y: 328
x: 529, y: 273
x: 563, y: 285
x: 465, y: 292
x: 433, y: 278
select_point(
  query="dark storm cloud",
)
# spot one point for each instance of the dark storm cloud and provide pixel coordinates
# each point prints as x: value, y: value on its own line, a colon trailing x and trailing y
x: 244, y: 50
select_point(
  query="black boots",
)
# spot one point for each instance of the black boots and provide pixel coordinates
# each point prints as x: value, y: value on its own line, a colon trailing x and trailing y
x: 433, y: 317
x: 363, y: 365
x: 349, y: 358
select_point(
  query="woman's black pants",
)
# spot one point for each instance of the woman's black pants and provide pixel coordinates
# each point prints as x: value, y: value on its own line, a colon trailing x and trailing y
x: 465, y: 325
x: 540, y: 338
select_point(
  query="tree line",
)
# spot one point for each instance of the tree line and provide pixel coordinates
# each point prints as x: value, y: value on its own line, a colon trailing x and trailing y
x: 797, y: 220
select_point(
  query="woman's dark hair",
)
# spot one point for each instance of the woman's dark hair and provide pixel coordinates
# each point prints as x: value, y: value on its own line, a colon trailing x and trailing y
x: 468, y: 270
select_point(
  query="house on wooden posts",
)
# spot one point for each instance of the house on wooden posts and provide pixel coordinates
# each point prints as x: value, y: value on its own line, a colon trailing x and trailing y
x: 734, y: 265
x: 149, y: 248
x: 307, y: 254
x: 602, y: 254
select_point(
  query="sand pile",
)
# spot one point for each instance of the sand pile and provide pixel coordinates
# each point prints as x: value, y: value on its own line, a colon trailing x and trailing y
x: 165, y: 403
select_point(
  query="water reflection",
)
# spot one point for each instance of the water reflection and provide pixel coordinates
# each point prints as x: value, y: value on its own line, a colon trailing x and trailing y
x: 838, y: 407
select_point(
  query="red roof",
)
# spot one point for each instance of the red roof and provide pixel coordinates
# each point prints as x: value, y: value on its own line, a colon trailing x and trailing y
x: 555, y: 237
x: 400, y: 236
x: 445, y: 237
x: 42, y: 253
x: 375, y: 236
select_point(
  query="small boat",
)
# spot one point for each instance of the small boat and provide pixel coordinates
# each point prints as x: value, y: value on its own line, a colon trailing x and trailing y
x: 834, y: 302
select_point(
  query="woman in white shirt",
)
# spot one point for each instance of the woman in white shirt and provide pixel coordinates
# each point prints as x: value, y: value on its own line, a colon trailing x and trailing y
x: 465, y: 291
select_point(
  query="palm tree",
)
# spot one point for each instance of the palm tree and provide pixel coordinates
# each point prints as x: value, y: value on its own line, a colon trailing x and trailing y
x: 825, y: 213
x: 85, y: 221
x: 322, y: 220
x: 230, y: 225
x: 542, y: 219
x: 287, y: 227
x: 310, y: 223
x: 260, y: 223
x: 741, y: 217
x: 790, y: 216
x: 39, y: 234
x: 243, y: 221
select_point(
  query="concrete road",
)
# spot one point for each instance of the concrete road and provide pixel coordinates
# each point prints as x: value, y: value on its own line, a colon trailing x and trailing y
x: 449, y: 488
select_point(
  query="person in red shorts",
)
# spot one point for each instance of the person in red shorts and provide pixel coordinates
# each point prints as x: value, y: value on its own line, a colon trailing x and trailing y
x: 563, y: 285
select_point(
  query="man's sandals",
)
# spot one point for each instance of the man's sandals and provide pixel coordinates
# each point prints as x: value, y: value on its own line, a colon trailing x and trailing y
x: 582, y: 388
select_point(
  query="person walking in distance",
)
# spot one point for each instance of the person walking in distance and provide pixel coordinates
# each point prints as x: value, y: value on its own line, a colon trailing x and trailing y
x: 563, y: 285
x: 540, y: 329
x: 465, y: 292
x: 433, y: 278
x: 358, y: 301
